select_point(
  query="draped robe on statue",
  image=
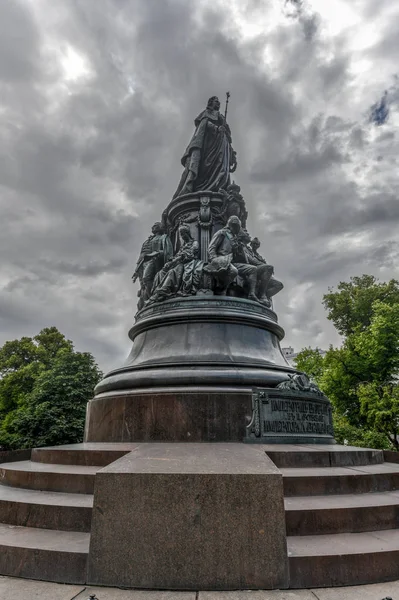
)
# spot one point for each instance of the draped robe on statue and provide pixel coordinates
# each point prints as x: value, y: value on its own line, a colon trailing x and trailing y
x: 181, y: 276
x: 209, y: 157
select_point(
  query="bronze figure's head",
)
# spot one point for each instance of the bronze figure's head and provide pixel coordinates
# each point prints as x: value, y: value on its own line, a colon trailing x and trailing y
x: 157, y: 228
x: 234, y: 224
x: 185, y: 232
x: 213, y: 103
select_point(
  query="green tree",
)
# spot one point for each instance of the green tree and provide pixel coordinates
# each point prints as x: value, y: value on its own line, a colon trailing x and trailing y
x: 338, y: 375
x: 379, y: 345
x: 343, y: 372
x: 380, y: 405
x: 44, y: 387
x: 22, y: 361
x: 361, y: 437
x: 310, y: 362
x: 49, y: 342
x: 361, y: 377
x: 54, y: 412
x: 351, y: 307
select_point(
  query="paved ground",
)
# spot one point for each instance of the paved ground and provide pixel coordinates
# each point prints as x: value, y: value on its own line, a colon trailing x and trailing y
x: 18, y: 589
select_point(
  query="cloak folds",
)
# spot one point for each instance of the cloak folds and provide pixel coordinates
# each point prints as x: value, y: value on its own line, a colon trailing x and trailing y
x: 208, y: 157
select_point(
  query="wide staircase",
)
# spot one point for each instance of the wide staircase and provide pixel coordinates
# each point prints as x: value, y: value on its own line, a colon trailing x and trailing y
x: 341, y: 503
x: 342, y: 514
x: 45, y: 510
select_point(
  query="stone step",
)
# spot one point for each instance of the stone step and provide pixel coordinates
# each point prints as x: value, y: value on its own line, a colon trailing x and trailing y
x: 45, y: 510
x: 293, y: 456
x: 344, y: 513
x: 89, y: 454
x: 43, y: 554
x: 340, y: 480
x: 50, y: 477
x: 343, y: 559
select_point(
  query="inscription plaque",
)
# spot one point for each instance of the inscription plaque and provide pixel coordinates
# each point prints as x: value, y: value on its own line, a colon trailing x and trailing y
x: 289, y: 417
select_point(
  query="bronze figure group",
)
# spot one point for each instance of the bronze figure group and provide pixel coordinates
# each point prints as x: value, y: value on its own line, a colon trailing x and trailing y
x: 234, y: 266
x: 206, y: 249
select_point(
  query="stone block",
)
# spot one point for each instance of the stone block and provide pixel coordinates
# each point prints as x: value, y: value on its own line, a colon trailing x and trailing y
x: 391, y: 456
x: 7, y: 456
x: 340, y: 480
x: 189, y: 517
x: 286, y: 456
x: 191, y: 415
x: 98, y: 455
x: 317, y: 561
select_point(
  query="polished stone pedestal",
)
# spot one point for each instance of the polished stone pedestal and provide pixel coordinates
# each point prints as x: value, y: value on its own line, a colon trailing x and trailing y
x: 196, y: 373
x: 190, y: 414
x: 189, y: 516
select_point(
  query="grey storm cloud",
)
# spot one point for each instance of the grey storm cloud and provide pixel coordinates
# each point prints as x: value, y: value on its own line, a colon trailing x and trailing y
x: 302, y: 11
x: 97, y: 101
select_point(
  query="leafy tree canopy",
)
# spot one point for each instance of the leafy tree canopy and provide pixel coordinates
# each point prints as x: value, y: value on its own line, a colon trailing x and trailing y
x: 361, y: 377
x: 44, y: 387
x: 311, y: 362
x: 351, y: 307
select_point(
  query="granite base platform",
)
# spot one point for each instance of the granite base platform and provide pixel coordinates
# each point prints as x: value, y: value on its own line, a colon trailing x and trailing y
x: 187, y: 517
x: 209, y: 414
x: 204, y: 369
x: 193, y: 414
x: 144, y: 515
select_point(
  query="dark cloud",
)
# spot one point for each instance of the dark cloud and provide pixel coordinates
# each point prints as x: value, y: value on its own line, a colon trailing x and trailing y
x: 301, y: 11
x: 379, y: 111
x: 97, y: 106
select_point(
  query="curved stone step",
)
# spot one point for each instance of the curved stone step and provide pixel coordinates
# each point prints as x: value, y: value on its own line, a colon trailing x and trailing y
x: 351, y: 513
x: 343, y: 559
x: 43, y: 554
x: 88, y: 454
x: 340, y: 480
x: 46, y: 510
x: 301, y: 456
x: 49, y: 477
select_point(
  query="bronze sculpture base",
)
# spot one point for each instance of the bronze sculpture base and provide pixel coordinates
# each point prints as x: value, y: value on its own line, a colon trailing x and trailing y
x: 192, y: 374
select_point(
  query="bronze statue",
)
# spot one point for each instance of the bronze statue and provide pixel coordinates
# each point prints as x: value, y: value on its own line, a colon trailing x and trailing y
x: 182, y: 274
x: 233, y: 204
x: 228, y: 262
x: 209, y: 158
x: 299, y: 382
x: 229, y: 258
x: 274, y: 285
x: 155, y: 252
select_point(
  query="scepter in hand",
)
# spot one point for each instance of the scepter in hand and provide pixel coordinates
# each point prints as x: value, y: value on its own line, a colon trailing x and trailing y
x: 227, y: 104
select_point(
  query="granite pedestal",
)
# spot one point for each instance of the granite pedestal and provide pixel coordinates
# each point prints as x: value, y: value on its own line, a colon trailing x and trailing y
x: 194, y: 373
x: 189, y: 516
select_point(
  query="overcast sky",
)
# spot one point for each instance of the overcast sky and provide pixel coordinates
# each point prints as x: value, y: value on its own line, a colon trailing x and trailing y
x: 97, y: 105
